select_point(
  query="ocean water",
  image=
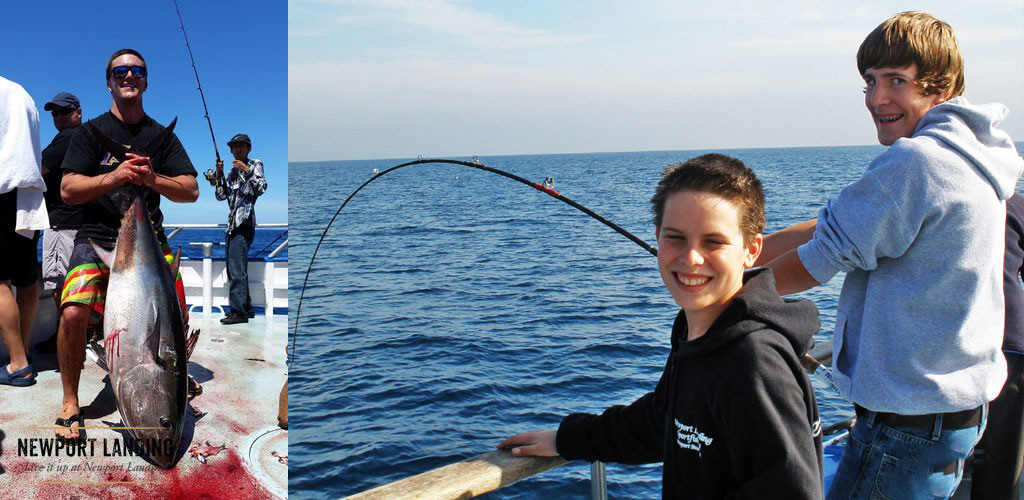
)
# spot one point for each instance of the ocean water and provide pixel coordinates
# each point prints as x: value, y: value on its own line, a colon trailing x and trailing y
x: 449, y: 308
x: 264, y: 241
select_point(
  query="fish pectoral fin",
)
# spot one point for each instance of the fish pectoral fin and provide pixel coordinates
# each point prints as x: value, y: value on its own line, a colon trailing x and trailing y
x: 154, y: 336
x: 107, y: 256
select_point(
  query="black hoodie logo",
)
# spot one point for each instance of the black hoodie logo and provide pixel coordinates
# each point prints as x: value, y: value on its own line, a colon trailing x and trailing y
x: 690, y: 437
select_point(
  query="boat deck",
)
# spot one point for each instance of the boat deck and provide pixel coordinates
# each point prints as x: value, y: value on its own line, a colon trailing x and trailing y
x: 231, y: 446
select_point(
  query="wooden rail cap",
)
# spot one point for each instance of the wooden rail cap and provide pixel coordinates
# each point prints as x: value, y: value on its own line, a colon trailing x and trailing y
x: 467, y: 479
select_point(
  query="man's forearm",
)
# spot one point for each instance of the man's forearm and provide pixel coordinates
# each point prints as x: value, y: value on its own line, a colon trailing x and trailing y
x: 180, y: 189
x: 790, y: 274
x: 780, y: 242
x: 76, y: 189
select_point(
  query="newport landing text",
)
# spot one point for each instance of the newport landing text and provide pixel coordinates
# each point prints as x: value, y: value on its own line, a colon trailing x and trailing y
x: 52, y: 447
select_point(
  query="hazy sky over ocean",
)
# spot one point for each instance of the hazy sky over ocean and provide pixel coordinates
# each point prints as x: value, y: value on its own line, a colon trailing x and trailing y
x: 398, y: 78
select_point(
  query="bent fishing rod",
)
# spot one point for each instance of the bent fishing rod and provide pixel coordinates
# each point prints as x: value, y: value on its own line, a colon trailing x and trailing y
x: 811, y: 364
x: 545, y: 188
x: 199, y: 85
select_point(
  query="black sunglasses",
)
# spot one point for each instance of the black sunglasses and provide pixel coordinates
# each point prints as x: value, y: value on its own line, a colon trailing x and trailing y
x: 62, y: 112
x: 120, y: 72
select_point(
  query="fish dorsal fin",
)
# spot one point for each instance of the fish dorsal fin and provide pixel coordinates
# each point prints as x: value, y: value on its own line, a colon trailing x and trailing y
x: 116, y: 150
x: 107, y: 256
x: 157, y: 143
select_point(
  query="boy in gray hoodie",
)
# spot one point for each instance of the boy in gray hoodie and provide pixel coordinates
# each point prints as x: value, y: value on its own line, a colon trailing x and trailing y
x: 920, y: 317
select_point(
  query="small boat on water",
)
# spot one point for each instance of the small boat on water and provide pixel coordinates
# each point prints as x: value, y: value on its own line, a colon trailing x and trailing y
x: 232, y: 446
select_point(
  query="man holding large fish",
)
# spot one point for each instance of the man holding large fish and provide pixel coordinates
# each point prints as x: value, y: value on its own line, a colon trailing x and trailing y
x: 151, y: 163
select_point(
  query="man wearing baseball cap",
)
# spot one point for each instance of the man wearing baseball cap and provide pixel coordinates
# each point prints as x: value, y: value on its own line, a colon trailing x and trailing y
x: 59, y: 239
x: 240, y: 188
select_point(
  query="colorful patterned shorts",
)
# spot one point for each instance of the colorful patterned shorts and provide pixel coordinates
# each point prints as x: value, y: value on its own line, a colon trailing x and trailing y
x: 86, y: 281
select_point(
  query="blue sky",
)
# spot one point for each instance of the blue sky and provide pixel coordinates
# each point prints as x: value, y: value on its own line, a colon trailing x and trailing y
x: 240, y: 50
x: 398, y: 78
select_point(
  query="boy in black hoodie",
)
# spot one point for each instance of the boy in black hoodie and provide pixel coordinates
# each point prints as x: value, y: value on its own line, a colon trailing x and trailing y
x: 734, y: 415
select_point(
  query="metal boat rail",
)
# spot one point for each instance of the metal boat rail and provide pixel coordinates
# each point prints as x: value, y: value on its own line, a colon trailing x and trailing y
x: 206, y: 287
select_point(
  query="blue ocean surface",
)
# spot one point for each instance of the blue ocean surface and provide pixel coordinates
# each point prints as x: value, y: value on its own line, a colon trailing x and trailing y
x: 264, y: 241
x: 449, y: 308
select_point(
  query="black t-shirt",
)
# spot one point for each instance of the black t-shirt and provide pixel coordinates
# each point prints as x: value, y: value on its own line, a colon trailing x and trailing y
x: 62, y: 215
x: 87, y: 156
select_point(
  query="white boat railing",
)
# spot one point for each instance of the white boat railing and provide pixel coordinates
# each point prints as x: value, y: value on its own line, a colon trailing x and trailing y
x: 205, y: 280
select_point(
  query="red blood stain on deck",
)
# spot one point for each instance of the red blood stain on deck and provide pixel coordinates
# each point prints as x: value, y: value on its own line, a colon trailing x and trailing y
x: 119, y: 476
x: 234, y: 425
x: 19, y: 467
x: 238, y: 428
x: 223, y: 477
x: 78, y: 486
x: 81, y: 492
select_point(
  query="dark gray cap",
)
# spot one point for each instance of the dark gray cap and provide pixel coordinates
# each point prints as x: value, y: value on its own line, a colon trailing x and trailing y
x: 240, y: 138
x: 62, y: 100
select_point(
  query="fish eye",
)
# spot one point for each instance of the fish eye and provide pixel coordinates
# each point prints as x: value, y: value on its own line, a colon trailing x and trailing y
x: 166, y: 423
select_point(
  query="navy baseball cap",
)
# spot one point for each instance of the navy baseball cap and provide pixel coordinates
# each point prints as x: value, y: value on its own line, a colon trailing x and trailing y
x: 240, y: 138
x: 62, y: 100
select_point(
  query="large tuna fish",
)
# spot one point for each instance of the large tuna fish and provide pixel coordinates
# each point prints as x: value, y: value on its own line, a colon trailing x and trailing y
x: 144, y: 335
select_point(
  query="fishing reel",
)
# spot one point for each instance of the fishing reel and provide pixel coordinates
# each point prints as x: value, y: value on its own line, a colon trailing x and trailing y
x: 211, y: 176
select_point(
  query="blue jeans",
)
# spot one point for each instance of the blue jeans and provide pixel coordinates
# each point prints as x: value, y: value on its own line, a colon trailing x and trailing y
x: 886, y: 462
x: 238, y: 269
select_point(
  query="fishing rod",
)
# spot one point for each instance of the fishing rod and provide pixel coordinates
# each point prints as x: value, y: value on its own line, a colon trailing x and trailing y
x: 199, y: 85
x: 824, y: 374
x: 820, y: 372
x: 545, y: 188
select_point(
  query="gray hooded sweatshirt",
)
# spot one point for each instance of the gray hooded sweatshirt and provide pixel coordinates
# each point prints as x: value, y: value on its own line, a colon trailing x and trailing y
x: 920, y: 319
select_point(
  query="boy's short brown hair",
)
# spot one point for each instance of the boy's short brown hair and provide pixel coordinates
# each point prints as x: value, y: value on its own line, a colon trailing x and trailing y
x: 719, y: 175
x: 916, y: 37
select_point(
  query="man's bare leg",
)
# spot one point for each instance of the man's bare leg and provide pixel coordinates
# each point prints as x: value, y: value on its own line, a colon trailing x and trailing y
x: 28, y: 302
x: 10, y: 329
x: 74, y: 319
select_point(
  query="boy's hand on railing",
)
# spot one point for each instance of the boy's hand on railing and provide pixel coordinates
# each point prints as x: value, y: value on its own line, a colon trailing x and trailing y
x: 532, y: 444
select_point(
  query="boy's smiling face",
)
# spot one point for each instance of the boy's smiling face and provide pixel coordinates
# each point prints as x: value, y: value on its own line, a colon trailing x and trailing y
x: 895, y: 101
x: 701, y: 253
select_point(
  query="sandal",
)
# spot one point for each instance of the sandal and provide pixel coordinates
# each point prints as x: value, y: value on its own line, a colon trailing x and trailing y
x: 66, y: 422
x: 16, y: 379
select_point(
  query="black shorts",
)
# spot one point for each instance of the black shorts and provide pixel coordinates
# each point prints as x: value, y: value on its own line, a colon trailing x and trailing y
x: 19, y: 263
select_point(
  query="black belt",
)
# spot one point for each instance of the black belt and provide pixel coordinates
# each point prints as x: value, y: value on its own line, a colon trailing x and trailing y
x: 952, y: 421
